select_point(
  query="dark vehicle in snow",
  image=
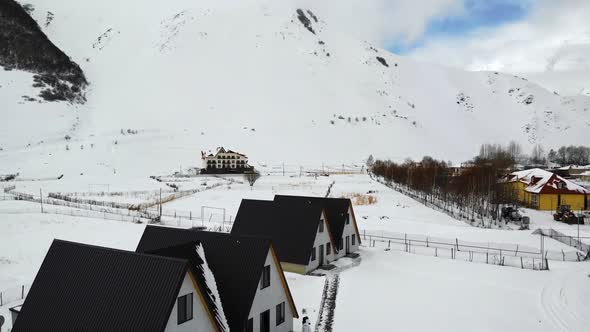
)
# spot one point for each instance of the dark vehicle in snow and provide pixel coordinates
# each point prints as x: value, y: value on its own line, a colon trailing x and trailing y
x: 511, y: 214
x: 565, y: 214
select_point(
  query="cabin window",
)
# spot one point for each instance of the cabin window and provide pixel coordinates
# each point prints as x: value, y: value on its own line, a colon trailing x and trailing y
x: 321, y: 230
x: 353, y: 239
x: 185, y: 308
x: 313, y: 254
x: 560, y: 185
x: 250, y: 325
x: 265, y: 282
x: 347, y: 219
x: 328, y: 249
x: 280, y: 313
x: 341, y: 243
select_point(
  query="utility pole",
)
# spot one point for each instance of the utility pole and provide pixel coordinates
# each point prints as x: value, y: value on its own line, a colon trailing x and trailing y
x: 160, y: 204
x: 578, y: 222
x: 283, y: 169
x: 542, y: 250
x: 41, y: 200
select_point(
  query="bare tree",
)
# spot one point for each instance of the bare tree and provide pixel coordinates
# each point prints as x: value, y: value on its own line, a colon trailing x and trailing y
x: 252, y: 177
x: 370, y: 161
x: 515, y: 150
x: 538, y: 155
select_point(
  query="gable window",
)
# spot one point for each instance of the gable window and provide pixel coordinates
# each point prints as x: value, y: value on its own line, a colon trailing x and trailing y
x: 280, y: 313
x: 340, y: 246
x: 185, y: 308
x: 328, y: 248
x: 265, y: 282
x: 313, y: 254
x: 250, y: 325
x: 353, y: 239
x: 321, y: 230
x: 560, y: 185
x: 347, y: 219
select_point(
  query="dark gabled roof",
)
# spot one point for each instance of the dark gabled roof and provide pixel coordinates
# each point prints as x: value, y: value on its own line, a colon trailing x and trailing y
x: 336, y: 211
x: 291, y: 227
x: 236, y: 262
x: 86, y: 288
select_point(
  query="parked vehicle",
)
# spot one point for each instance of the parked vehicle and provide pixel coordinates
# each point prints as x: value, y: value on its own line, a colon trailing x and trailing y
x: 525, y: 222
x: 565, y: 214
x: 511, y: 214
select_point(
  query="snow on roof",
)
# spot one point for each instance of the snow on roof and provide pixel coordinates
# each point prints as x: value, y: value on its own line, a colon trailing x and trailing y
x: 212, y: 284
x: 566, y: 168
x: 527, y: 175
x: 586, y: 173
x: 538, y: 179
x: 219, y: 150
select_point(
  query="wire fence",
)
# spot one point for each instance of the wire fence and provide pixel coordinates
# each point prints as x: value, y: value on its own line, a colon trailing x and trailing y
x: 130, y: 217
x: 504, y: 255
x: 209, y: 216
x: 14, y: 294
x: 460, y: 212
x: 6, y: 197
x: 490, y: 248
x: 572, y: 241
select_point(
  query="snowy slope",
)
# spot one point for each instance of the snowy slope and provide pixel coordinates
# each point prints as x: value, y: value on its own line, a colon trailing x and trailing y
x: 195, y: 75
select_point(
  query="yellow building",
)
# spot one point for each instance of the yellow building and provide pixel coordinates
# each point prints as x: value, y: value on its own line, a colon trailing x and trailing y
x: 543, y: 190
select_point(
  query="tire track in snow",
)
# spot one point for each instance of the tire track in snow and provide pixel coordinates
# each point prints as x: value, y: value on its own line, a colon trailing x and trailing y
x: 558, y: 308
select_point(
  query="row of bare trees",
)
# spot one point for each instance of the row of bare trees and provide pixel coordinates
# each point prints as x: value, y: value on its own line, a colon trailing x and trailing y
x: 570, y: 155
x: 472, y: 191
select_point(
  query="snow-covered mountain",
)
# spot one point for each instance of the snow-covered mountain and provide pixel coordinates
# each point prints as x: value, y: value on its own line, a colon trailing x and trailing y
x: 271, y: 79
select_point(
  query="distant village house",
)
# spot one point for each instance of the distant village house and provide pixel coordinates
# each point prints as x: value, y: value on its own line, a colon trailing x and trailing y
x: 543, y: 190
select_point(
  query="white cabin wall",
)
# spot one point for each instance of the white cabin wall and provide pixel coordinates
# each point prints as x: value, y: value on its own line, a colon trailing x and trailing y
x: 349, y: 230
x: 268, y: 298
x: 321, y: 238
x: 200, y: 321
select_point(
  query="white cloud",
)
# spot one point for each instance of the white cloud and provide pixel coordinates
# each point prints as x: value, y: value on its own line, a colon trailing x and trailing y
x: 381, y: 21
x: 554, y: 40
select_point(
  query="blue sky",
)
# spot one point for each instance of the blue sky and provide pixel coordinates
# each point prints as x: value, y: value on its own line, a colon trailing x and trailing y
x: 478, y: 14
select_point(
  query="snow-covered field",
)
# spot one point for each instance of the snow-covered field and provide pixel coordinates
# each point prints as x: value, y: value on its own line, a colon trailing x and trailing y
x: 388, y: 290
